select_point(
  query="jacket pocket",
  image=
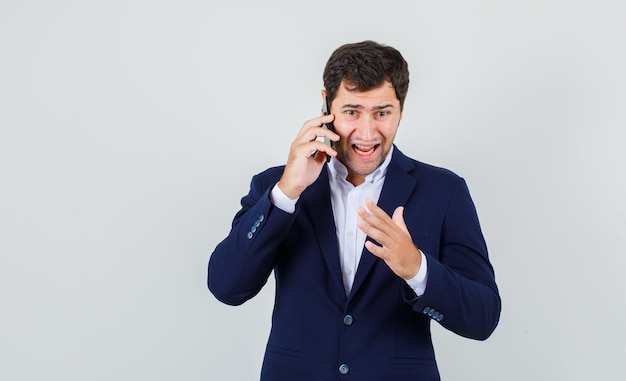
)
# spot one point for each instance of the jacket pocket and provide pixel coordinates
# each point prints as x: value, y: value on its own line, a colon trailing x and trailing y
x: 282, y: 351
x: 413, y: 367
x: 418, y: 361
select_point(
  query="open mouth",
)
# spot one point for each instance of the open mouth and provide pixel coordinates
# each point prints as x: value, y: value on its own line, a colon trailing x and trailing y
x: 362, y: 150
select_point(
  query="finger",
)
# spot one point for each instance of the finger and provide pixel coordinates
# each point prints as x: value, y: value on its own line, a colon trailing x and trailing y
x: 373, y: 227
x: 321, y: 133
x: 324, y: 119
x: 320, y: 156
x: 318, y: 122
x: 317, y: 134
x: 398, y: 219
x: 370, y: 221
x: 376, y: 216
x: 375, y: 233
x: 378, y: 251
x: 317, y: 146
x: 376, y: 210
x: 367, y: 229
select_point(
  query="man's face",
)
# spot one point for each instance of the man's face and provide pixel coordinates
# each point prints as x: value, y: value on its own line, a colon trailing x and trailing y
x: 367, y: 122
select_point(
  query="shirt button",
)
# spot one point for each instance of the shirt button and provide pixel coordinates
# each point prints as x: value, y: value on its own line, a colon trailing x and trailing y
x: 344, y: 369
x: 348, y: 272
x: 348, y: 319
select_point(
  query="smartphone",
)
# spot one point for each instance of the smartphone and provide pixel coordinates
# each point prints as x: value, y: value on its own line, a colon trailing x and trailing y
x: 329, y: 126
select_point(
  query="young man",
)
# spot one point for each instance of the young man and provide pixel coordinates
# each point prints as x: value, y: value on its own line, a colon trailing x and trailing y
x: 366, y: 249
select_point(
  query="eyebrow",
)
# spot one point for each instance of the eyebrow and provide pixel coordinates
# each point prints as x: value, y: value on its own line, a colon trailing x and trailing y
x: 361, y: 107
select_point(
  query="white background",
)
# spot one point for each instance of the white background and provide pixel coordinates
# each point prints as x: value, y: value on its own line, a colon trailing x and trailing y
x: 130, y: 129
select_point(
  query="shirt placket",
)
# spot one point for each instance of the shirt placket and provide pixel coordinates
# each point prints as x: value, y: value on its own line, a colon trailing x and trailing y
x: 350, y: 239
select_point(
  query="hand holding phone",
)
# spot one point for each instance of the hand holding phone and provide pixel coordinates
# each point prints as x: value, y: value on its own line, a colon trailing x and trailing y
x: 303, y: 167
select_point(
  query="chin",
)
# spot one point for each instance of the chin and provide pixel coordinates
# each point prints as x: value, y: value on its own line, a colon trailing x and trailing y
x: 365, y: 167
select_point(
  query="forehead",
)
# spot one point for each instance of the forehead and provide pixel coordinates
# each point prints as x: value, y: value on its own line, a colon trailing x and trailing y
x: 383, y: 94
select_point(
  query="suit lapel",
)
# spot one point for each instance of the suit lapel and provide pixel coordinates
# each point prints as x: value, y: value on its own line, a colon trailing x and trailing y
x: 317, y: 205
x: 397, y: 189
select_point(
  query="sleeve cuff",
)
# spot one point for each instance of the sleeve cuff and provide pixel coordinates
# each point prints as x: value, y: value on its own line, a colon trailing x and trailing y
x: 281, y: 201
x: 418, y: 282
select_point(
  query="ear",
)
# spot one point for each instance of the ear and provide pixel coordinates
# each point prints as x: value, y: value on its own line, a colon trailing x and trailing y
x: 323, y: 93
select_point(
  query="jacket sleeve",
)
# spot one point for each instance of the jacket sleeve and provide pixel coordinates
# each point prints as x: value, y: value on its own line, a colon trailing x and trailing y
x: 242, y: 262
x: 461, y: 291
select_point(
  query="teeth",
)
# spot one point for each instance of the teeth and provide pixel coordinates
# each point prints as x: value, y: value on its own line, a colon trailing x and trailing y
x: 364, y: 150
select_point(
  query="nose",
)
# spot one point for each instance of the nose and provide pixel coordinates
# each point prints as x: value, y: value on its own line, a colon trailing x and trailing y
x: 367, y: 129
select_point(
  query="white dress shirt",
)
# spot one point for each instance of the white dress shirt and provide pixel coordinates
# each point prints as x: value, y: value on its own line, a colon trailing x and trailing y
x: 345, y: 199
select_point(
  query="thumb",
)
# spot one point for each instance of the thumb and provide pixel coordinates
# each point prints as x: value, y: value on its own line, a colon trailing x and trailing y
x: 398, y: 219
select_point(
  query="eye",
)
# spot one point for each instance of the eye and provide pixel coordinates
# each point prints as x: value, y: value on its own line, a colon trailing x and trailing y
x: 382, y: 114
x: 351, y: 113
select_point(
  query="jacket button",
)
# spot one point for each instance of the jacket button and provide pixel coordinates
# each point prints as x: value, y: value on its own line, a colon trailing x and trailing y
x: 426, y: 310
x: 250, y: 235
x: 348, y: 320
x: 344, y: 369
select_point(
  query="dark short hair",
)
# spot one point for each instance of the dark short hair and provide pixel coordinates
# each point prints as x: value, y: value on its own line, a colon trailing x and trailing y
x: 364, y: 66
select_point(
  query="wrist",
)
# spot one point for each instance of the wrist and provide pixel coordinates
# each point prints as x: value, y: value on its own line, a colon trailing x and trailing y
x: 292, y: 192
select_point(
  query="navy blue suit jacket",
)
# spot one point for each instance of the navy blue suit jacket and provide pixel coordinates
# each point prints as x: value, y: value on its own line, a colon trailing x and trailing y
x: 381, y: 331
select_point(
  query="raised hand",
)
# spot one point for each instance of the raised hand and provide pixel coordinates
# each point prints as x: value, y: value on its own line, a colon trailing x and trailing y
x: 396, y: 246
